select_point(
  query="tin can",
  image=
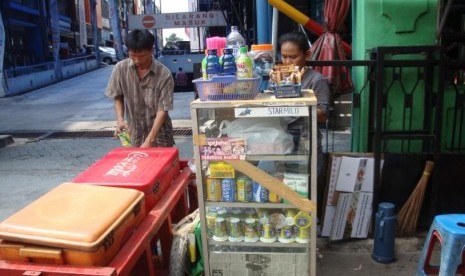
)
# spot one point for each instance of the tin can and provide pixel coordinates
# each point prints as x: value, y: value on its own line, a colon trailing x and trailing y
x: 272, y: 197
x: 228, y: 188
x: 267, y: 231
x: 211, y: 217
x: 250, y: 230
x: 303, y: 235
x: 244, y: 189
x: 286, y: 234
x: 220, y: 229
x: 235, y: 230
x: 260, y: 193
x: 213, y: 189
x: 125, y: 139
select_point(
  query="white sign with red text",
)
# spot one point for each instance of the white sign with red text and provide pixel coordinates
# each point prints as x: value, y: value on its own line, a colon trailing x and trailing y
x: 176, y: 20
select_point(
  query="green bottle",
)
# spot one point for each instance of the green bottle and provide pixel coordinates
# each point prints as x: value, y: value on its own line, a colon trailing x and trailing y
x: 204, y: 66
x: 244, y: 64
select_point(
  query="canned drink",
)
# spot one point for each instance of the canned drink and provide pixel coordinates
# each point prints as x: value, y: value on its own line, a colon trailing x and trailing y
x: 220, y: 230
x: 213, y: 189
x: 125, y: 139
x: 260, y: 193
x: 211, y: 217
x: 272, y: 197
x: 235, y: 230
x: 244, y: 189
x: 303, y: 235
x: 286, y: 234
x: 228, y: 188
x: 267, y: 231
x: 250, y: 230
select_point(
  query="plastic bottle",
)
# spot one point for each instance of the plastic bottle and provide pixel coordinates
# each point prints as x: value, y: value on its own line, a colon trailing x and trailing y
x: 228, y: 62
x: 235, y: 40
x: 213, y: 64
x: 204, y: 66
x: 244, y: 64
x: 262, y: 55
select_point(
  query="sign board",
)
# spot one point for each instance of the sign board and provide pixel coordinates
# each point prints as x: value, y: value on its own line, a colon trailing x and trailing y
x: 272, y: 111
x: 176, y: 20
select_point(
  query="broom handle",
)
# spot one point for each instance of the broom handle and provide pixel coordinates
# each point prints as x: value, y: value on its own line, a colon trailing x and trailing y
x: 428, y: 168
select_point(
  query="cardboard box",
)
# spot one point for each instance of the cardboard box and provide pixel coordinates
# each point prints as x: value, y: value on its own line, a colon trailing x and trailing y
x: 347, y: 182
x: 330, y: 211
x: 351, y: 174
x: 352, y: 217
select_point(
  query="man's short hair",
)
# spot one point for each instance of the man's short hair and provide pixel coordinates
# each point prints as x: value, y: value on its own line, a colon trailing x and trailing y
x: 140, y: 39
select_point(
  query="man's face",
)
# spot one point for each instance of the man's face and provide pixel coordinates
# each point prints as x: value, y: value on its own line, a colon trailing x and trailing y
x: 141, y: 57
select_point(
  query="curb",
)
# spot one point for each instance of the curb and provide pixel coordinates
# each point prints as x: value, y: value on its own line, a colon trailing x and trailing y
x: 6, y: 140
x: 402, y: 244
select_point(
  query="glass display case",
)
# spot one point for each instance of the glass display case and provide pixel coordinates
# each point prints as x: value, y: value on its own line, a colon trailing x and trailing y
x: 256, y: 178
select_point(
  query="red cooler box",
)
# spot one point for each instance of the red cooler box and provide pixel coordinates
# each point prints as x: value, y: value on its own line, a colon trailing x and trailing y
x: 72, y: 224
x: 150, y: 170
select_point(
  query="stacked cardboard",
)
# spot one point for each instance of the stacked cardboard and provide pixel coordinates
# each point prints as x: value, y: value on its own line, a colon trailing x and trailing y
x: 349, y: 196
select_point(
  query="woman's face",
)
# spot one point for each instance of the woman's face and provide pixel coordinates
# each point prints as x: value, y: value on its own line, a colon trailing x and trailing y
x: 292, y: 54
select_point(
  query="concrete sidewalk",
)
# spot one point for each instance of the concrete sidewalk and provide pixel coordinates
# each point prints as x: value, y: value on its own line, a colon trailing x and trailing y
x: 75, y: 104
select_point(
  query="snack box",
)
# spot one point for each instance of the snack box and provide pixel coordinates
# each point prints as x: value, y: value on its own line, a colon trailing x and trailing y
x: 149, y: 170
x: 72, y: 224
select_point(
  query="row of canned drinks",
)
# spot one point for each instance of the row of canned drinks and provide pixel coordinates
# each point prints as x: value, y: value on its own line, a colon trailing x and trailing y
x: 240, y: 189
x: 235, y: 226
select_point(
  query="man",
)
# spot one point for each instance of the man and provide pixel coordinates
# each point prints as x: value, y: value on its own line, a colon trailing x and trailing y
x: 142, y: 89
x: 181, y: 78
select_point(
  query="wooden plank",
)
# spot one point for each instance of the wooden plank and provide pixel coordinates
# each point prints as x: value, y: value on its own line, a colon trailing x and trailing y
x: 262, y: 99
x: 273, y: 184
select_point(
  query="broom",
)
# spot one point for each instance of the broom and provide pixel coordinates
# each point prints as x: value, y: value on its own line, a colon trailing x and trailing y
x: 408, y: 215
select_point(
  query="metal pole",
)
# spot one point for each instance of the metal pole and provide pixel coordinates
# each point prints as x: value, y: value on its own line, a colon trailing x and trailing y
x: 274, y: 32
x: 261, y: 9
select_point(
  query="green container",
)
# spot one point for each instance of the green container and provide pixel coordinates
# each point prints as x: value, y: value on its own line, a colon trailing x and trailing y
x: 244, y: 64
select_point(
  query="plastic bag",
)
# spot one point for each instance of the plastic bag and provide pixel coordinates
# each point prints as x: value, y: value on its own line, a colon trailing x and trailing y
x: 262, y: 135
x: 183, y: 249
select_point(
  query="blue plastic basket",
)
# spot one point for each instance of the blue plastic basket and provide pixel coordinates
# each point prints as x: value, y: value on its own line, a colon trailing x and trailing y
x: 227, y: 88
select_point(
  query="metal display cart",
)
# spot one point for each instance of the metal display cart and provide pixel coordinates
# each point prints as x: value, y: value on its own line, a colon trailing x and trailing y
x: 256, y: 181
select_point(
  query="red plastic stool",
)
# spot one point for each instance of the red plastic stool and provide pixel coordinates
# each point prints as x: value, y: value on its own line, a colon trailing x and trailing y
x: 449, y: 231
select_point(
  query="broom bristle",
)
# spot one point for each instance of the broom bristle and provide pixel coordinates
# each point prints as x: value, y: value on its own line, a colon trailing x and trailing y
x: 408, y: 215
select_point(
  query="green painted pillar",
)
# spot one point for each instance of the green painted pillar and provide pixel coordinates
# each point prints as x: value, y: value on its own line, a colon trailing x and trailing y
x: 378, y: 23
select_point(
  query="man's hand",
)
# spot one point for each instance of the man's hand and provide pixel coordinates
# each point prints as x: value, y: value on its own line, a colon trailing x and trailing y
x: 120, y: 127
x: 146, y: 144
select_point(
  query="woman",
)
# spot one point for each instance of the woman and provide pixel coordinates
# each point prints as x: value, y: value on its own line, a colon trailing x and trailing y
x: 295, y: 49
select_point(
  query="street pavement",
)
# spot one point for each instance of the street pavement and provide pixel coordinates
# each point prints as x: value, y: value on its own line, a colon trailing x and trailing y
x: 33, y: 160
